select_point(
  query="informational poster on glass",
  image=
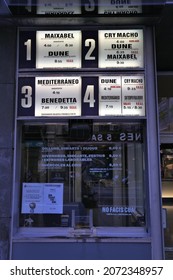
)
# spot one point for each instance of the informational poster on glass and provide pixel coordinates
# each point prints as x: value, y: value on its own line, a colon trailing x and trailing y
x: 58, y: 7
x: 42, y: 198
x: 121, y: 48
x: 58, y: 49
x: 125, y: 7
x: 58, y: 96
x: 109, y: 95
x: 133, y: 99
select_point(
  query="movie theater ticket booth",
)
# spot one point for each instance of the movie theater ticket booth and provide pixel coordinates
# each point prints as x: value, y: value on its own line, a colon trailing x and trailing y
x: 87, y: 173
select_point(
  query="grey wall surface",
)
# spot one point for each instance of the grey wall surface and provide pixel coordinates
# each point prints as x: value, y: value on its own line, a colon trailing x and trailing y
x: 81, y: 251
x: 7, y: 99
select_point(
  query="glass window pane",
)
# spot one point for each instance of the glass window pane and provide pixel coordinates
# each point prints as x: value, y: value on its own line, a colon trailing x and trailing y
x: 82, y: 173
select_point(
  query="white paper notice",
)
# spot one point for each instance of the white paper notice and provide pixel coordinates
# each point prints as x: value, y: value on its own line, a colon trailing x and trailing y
x: 133, y: 96
x: 109, y: 95
x: 42, y: 198
x: 58, y: 49
x: 125, y: 7
x: 58, y: 96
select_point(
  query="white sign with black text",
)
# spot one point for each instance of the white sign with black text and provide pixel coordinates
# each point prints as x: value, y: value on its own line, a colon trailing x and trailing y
x: 109, y: 95
x: 121, y: 96
x: 133, y: 97
x: 58, y: 49
x: 58, y: 96
x: 58, y: 7
x: 123, y: 7
x: 42, y: 198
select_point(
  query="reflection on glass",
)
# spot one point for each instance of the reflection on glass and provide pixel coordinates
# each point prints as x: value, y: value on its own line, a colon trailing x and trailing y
x: 77, y: 7
x: 82, y: 173
x: 166, y: 114
x: 113, y: 7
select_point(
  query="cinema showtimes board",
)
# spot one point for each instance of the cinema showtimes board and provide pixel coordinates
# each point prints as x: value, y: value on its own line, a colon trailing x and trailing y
x: 119, y: 7
x: 120, y: 48
x: 54, y: 94
x: 58, y: 48
x: 81, y: 49
x: 58, y: 96
x: 78, y: 7
x: 70, y: 96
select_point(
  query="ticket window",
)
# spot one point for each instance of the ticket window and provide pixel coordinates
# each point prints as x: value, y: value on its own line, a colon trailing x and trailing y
x: 82, y: 174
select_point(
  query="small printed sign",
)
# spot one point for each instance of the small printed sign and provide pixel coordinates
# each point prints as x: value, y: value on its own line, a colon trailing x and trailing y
x: 58, y: 7
x: 133, y: 97
x: 42, y: 198
x: 77, y: 49
x: 110, y: 96
x: 122, y: 7
x: 58, y: 49
x: 71, y: 96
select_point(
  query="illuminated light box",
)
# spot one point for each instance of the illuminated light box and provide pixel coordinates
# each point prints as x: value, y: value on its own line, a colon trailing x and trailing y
x: 42, y: 198
x: 121, y: 96
x: 71, y: 96
x: 58, y: 7
x: 58, y: 49
x: 133, y: 97
x: 58, y: 96
x: 113, y: 7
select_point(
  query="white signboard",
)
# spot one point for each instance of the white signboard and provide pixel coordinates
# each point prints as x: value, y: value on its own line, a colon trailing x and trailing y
x: 58, y: 7
x: 121, y: 48
x: 109, y: 95
x: 58, y: 96
x: 125, y: 7
x: 58, y: 49
x: 42, y: 198
x: 133, y: 97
